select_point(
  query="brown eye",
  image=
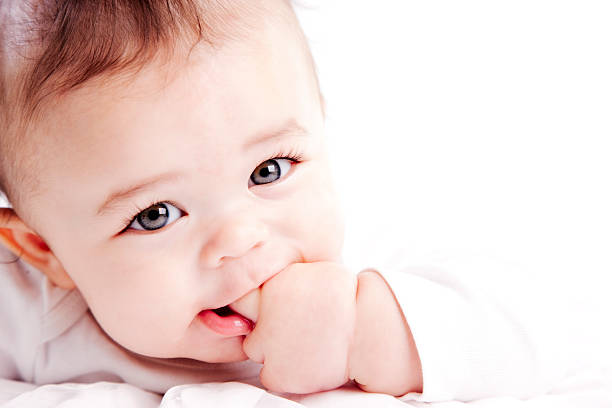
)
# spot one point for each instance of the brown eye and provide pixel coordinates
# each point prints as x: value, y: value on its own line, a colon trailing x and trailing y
x: 156, y: 217
x: 270, y: 171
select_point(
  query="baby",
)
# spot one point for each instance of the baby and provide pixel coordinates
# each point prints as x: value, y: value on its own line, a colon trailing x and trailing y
x: 167, y: 159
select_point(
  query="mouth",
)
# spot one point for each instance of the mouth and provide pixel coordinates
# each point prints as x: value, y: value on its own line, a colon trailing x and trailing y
x: 226, y: 322
x: 224, y: 311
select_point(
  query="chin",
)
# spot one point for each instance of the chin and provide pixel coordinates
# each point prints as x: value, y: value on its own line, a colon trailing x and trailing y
x: 226, y: 351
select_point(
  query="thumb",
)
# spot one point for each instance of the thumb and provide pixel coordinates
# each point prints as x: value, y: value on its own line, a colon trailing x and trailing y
x: 248, y: 305
x: 252, y: 347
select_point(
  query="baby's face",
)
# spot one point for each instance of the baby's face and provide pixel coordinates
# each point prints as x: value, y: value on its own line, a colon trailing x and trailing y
x: 186, y: 189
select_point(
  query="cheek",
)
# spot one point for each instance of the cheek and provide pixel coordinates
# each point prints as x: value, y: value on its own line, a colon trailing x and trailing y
x: 327, y: 234
x: 135, y: 300
x: 319, y: 220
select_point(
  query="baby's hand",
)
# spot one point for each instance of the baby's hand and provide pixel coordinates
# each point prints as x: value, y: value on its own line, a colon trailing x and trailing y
x: 305, y: 328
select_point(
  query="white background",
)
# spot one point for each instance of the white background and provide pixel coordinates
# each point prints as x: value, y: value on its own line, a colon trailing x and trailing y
x: 479, y: 126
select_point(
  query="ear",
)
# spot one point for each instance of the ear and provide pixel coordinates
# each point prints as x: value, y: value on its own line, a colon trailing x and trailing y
x: 26, y: 244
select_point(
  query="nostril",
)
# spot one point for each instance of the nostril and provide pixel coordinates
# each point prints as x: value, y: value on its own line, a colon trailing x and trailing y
x: 227, y: 258
x: 234, y: 239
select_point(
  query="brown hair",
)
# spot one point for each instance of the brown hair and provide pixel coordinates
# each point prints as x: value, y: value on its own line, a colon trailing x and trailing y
x: 61, y: 44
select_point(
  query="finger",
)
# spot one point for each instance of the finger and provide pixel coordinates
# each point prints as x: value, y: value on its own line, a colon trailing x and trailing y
x: 248, y: 305
x: 276, y: 379
x: 270, y: 381
x: 252, y: 347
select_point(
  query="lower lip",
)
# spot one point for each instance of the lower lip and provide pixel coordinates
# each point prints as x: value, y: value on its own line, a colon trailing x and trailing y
x: 232, y: 325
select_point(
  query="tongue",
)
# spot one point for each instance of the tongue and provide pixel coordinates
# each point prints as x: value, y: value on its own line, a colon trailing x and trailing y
x: 231, y: 324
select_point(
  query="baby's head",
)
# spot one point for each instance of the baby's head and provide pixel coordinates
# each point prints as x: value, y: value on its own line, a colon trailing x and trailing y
x: 164, y: 157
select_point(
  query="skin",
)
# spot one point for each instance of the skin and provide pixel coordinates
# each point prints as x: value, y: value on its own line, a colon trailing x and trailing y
x: 270, y: 251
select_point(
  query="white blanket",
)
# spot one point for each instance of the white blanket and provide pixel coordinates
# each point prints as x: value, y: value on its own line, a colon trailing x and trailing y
x: 592, y: 390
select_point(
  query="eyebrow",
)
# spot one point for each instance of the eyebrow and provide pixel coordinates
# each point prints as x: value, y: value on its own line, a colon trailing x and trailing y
x: 289, y: 128
x: 137, y: 188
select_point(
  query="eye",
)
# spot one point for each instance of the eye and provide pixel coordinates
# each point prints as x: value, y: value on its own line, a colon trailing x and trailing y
x: 155, y: 217
x: 271, y: 170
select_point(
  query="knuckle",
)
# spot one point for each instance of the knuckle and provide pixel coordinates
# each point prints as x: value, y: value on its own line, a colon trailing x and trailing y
x: 276, y: 379
x: 267, y: 379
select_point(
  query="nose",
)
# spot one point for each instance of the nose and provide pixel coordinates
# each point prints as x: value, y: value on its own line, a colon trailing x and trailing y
x: 234, y: 237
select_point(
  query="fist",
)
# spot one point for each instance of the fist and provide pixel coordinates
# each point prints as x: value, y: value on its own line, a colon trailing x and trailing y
x: 305, y: 328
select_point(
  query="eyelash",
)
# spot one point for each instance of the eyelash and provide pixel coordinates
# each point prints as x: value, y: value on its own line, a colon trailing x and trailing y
x: 294, y: 155
x: 127, y: 221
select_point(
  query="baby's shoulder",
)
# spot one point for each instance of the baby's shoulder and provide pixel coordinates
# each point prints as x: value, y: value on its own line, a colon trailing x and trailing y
x: 32, y: 312
x: 20, y: 284
x: 30, y: 304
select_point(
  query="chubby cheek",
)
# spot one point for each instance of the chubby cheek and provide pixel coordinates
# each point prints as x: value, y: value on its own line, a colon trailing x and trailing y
x: 317, y: 221
x: 137, y: 304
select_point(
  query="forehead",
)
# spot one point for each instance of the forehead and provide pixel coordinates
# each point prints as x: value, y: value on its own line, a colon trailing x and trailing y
x: 122, y: 130
x: 215, y: 85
